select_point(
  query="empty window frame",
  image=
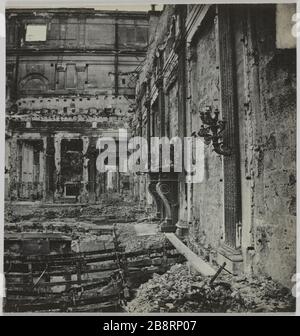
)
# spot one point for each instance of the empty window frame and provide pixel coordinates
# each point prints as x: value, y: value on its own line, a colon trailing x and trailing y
x: 284, y: 26
x: 36, y: 33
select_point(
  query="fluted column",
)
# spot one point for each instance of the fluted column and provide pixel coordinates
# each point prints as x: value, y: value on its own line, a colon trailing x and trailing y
x: 49, y: 169
x: 85, y: 171
x: 13, y: 168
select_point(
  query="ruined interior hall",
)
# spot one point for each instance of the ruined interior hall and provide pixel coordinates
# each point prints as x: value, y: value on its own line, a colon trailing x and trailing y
x: 78, y: 239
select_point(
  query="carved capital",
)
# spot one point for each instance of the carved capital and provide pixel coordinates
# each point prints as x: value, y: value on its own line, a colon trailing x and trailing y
x: 80, y: 67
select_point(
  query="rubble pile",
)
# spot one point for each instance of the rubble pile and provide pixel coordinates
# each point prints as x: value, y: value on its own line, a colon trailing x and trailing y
x: 112, y: 208
x: 127, y: 232
x: 180, y: 291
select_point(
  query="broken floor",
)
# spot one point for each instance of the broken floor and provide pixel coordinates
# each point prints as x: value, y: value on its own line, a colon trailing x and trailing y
x: 145, y: 282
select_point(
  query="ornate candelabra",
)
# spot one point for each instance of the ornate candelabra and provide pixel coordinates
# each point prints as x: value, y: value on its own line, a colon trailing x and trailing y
x: 212, y: 131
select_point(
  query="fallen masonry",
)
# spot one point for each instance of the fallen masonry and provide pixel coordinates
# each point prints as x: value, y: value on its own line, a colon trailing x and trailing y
x: 178, y: 290
x: 91, y: 259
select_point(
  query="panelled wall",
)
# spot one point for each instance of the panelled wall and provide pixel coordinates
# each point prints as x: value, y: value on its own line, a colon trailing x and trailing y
x: 80, y: 51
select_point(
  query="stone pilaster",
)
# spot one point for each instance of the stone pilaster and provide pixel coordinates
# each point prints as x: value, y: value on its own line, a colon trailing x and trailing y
x: 230, y: 252
x: 57, y: 160
x: 231, y: 164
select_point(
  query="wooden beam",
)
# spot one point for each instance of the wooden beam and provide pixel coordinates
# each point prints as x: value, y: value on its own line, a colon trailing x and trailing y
x: 196, y: 262
x: 86, y: 257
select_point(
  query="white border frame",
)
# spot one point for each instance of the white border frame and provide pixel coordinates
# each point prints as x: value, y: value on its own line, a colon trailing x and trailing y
x: 98, y: 3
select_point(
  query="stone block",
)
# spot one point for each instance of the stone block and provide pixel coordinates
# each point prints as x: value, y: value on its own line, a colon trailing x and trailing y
x: 233, y: 260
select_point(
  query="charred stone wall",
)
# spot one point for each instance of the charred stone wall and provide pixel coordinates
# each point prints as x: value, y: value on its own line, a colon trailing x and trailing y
x: 103, y: 49
x: 266, y: 98
x: 206, y: 227
x: 70, y: 75
x: 268, y: 127
x: 262, y: 90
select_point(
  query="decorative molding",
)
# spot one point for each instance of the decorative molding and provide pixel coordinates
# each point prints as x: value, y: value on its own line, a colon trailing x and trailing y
x: 198, y: 13
x: 167, y: 189
x: 61, y: 68
x: 80, y: 68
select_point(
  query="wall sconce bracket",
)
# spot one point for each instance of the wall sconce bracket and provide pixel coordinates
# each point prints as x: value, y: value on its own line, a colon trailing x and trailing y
x: 212, y: 131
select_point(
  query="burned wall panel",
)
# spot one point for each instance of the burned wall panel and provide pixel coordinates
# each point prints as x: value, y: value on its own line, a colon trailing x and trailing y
x: 207, y: 197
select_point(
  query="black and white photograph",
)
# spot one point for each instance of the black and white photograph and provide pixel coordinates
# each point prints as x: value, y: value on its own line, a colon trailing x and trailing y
x: 150, y: 158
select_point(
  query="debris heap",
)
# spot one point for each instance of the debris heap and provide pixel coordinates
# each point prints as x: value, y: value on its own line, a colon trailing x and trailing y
x: 180, y: 291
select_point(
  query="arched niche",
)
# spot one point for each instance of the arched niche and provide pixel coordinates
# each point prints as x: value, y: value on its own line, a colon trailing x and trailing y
x: 34, y: 83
